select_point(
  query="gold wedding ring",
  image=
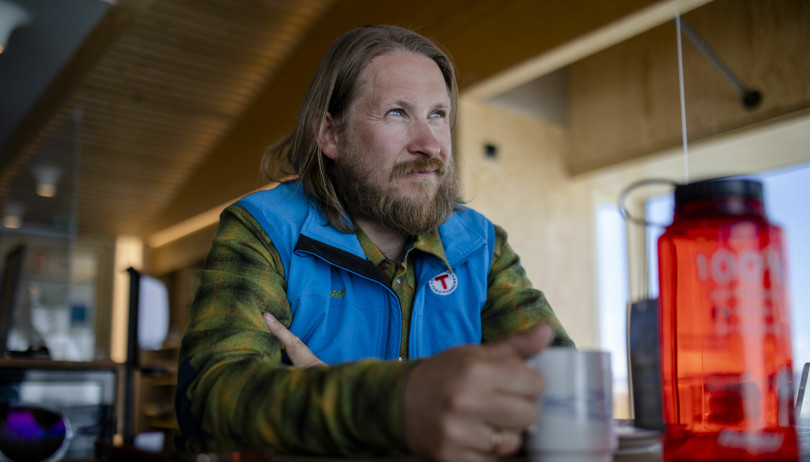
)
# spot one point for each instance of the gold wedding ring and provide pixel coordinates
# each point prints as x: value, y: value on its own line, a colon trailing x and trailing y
x: 497, y: 441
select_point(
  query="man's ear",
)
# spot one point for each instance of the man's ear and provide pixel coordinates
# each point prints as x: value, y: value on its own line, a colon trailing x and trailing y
x: 328, y: 137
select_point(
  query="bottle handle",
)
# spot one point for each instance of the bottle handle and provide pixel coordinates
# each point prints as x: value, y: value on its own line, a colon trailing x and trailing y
x: 637, y: 184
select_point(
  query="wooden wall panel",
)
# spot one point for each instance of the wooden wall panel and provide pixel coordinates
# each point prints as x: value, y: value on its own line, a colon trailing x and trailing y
x: 526, y: 190
x: 181, y: 253
x: 624, y: 101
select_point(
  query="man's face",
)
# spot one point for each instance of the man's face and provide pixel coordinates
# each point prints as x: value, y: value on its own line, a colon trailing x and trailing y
x: 393, y: 162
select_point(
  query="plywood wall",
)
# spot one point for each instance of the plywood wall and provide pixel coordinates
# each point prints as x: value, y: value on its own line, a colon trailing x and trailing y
x: 526, y: 190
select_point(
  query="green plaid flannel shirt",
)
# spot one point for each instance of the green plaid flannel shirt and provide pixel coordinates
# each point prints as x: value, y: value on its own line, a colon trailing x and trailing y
x: 235, y: 392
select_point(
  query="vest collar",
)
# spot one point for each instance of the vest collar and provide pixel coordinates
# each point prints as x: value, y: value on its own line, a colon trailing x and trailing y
x: 317, y: 227
x: 458, y: 238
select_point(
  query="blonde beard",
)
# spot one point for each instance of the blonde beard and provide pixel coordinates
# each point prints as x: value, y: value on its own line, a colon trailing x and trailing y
x: 389, y: 205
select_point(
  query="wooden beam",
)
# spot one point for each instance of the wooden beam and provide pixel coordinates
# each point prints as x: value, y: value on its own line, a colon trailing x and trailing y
x: 583, y: 46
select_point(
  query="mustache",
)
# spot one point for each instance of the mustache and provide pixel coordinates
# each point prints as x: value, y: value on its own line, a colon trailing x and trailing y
x: 418, y: 166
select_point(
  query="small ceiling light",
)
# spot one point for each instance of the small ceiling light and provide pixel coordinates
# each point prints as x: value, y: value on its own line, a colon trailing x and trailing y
x: 13, y: 216
x: 47, y: 176
x: 12, y: 16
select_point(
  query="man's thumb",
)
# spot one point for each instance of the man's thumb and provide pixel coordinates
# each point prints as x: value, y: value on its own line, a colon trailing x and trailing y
x: 526, y: 344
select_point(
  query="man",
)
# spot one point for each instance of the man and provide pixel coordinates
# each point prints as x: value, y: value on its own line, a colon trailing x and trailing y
x: 377, y: 271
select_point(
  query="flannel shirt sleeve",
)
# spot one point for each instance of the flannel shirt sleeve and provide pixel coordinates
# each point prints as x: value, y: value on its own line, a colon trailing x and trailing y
x: 513, y: 305
x: 233, y: 390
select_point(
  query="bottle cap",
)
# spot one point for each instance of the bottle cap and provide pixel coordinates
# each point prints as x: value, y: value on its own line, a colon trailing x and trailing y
x: 720, y: 188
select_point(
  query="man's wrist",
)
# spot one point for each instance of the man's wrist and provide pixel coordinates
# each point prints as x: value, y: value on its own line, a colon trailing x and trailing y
x: 399, y: 424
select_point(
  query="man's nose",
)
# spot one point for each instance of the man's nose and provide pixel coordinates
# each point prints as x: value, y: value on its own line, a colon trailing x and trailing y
x: 424, y: 141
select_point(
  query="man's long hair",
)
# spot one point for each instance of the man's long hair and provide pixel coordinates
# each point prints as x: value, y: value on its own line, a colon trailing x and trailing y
x: 332, y: 90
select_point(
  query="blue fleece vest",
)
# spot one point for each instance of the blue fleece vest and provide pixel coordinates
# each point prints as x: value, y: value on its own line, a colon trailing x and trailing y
x: 342, y: 305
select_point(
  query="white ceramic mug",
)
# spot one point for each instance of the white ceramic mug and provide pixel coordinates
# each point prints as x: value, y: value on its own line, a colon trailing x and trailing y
x: 576, y: 407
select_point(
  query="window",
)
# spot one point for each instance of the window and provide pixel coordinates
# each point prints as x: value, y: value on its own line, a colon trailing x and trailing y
x: 613, y: 273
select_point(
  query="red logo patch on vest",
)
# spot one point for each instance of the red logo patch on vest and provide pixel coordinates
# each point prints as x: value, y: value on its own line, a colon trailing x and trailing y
x: 444, y: 284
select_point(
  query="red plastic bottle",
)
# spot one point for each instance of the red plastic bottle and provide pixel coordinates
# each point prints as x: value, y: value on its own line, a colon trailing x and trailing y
x: 725, y: 328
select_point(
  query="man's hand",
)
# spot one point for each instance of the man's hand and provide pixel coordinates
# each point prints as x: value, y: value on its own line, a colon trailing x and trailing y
x: 300, y: 354
x: 474, y: 403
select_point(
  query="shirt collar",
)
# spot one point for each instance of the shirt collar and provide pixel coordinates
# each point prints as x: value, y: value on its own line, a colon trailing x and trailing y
x: 429, y: 242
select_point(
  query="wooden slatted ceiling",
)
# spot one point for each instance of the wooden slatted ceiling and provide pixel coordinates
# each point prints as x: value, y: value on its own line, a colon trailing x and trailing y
x: 164, y: 93
x: 169, y: 89
x: 180, y: 102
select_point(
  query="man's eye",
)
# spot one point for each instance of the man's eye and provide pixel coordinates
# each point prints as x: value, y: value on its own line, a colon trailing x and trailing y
x: 438, y: 114
x: 396, y: 112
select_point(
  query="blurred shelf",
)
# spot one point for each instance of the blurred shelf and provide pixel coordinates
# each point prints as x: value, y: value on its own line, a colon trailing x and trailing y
x: 168, y: 379
x: 163, y: 423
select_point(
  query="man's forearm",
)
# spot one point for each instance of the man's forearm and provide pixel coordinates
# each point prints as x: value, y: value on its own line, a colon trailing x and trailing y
x: 352, y: 408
